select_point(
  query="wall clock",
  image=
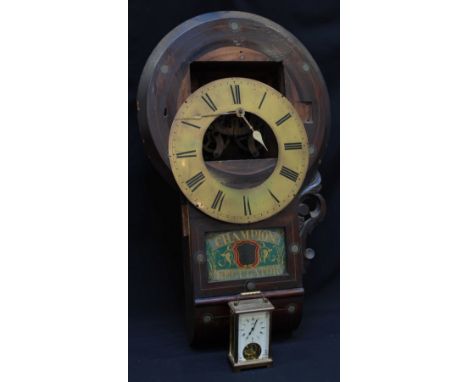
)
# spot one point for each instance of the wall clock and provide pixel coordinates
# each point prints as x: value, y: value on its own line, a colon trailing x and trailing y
x: 234, y: 114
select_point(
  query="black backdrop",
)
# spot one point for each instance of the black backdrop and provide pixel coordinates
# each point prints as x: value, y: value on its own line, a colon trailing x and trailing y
x: 158, y: 350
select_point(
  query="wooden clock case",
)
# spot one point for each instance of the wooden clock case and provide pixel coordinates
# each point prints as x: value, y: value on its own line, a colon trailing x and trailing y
x: 236, y: 44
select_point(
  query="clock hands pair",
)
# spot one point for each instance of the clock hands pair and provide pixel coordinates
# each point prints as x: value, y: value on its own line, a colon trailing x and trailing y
x: 253, y: 327
x: 255, y: 133
x: 240, y: 112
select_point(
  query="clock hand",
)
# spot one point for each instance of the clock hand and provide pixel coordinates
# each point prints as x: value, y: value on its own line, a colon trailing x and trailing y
x: 197, y: 117
x: 255, y: 133
x: 253, y: 327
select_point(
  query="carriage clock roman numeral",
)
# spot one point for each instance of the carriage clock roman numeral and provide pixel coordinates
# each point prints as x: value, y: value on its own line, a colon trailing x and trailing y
x: 235, y: 92
x: 195, y: 181
x: 289, y: 174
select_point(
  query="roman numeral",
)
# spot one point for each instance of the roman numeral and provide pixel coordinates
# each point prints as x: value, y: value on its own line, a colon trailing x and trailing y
x: 186, y: 154
x: 235, y: 92
x: 261, y: 102
x: 209, y: 102
x: 195, y: 181
x: 218, y: 200
x: 293, y: 146
x: 283, y: 119
x: 190, y: 124
x: 247, y: 210
x: 273, y: 196
x: 288, y: 173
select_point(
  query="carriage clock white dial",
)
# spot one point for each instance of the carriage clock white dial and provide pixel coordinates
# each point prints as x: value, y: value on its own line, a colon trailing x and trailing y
x: 254, y: 330
x: 250, y: 333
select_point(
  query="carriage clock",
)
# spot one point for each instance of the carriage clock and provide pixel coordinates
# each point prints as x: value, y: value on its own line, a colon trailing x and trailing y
x: 249, y: 332
x: 234, y: 114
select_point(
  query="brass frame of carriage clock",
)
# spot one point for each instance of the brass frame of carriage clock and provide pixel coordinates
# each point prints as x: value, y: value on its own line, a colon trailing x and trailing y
x: 201, y: 50
x: 255, y: 303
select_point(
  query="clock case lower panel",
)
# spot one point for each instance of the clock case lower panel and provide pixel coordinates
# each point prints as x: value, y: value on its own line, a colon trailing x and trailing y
x: 207, y: 311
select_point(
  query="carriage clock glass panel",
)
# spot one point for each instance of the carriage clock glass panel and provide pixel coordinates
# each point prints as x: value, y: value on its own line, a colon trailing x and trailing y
x: 254, y: 330
x: 276, y: 129
x: 245, y: 254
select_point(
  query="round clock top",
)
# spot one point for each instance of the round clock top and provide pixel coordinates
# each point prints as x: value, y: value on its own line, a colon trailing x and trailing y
x: 265, y: 149
x: 234, y: 173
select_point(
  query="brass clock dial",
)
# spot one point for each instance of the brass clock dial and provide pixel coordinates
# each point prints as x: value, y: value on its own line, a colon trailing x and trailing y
x: 252, y: 351
x: 242, y: 99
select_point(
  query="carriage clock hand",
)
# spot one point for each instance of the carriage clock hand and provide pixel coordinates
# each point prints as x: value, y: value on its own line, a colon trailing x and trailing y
x: 253, y: 327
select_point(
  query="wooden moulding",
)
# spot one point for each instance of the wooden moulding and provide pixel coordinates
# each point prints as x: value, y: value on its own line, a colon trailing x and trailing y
x: 216, y: 330
x: 226, y: 37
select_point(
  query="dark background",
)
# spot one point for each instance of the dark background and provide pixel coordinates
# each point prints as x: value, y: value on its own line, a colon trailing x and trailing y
x: 158, y: 349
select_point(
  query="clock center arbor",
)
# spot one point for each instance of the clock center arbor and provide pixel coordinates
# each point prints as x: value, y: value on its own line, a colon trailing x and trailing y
x: 234, y: 114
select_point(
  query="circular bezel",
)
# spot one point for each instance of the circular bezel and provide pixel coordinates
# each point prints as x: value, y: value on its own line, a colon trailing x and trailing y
x: 208, y: 193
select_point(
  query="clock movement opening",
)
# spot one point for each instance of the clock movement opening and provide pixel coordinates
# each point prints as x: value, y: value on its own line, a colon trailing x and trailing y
x: 240, y: 149
x: 268, y: 72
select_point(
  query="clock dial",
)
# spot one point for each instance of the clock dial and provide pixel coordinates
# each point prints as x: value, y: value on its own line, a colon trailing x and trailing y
x: 250, y: 104
x: 254, y: 333
x: 252, y: 351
